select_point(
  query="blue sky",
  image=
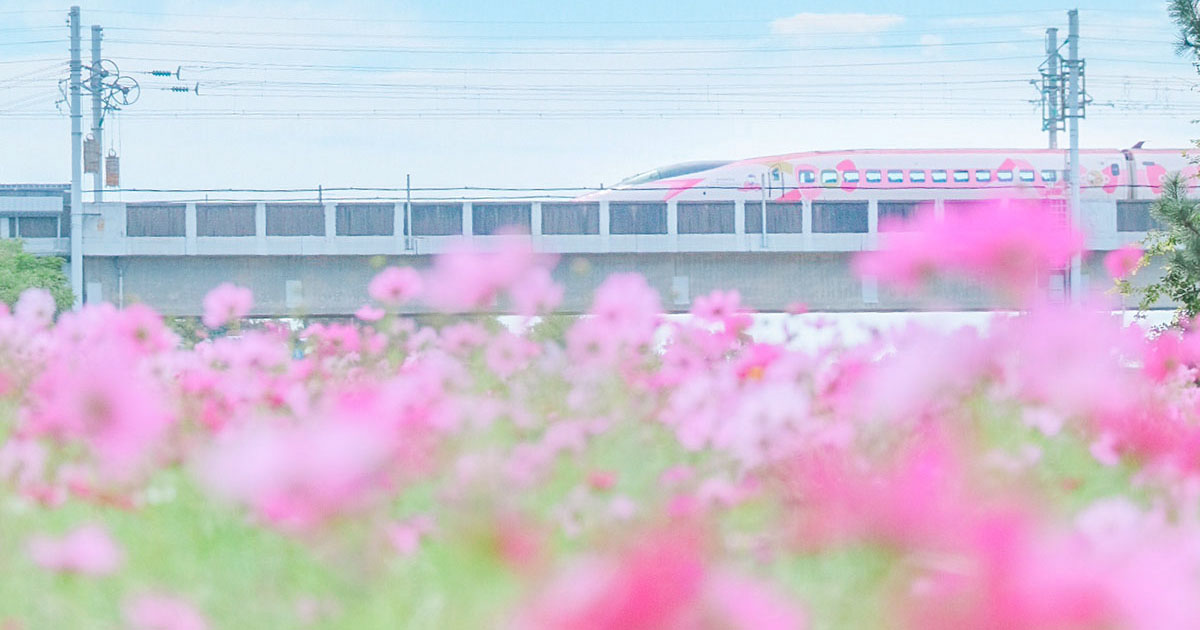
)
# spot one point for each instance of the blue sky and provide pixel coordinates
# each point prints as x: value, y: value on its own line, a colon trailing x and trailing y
x: 556, y: 94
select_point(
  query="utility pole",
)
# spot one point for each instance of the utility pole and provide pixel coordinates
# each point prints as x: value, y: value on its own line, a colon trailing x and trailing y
x: 1074, y: 98
x: 97, y: 115
x: 1051, y: 87
x: 76, y: 162
x: 1059, y: 113
x: 763, y: 187
x: 408, y: 235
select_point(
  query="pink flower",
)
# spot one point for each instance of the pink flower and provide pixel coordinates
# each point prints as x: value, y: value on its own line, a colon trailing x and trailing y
x: 143, y: 328
x: 1006, y: 243
x: 723, y: 307
x: 1123, y: 262
x: 602, y: 480
x: 368, y: 313
x: 296, y: 478
x: 916, y: 500
x: 1016, y: 580
x: 226, y: 303
x: 104, y: 398
x: 1104, y: 450
x: 462, y: 337
x: 756, y: 359
x: 662, y: 581
x: 87, y: 550
x: 159, y: 612
x: 405, y: 537
x: 508, y: 353
x: 625, y: 313
x: 1163, y: 355
x: 35, y: 308
x: 395, y: 286
x: 535, y: 293
x: 467, y: 279
x: 747, y: 605
x: 656, y: 584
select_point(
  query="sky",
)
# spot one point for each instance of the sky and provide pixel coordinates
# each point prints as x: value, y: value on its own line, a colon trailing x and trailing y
x: 532, y: 94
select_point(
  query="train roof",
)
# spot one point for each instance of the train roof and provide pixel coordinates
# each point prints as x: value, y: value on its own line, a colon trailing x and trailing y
x: 957, y: 151
x: 689, y: 168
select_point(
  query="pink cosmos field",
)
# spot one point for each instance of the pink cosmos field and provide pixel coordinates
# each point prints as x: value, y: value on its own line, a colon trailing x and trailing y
x: 618, y: 470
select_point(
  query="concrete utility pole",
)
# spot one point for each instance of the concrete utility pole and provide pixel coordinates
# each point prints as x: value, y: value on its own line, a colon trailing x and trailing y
x: 76, y: 162
x: 1051, y: 86
x: 408, y: 233
x: 1073, y: 102
x: 763, y: 227
x: 97, y: 115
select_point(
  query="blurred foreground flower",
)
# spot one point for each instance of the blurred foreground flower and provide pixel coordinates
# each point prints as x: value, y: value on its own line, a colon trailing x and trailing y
x: 395, y: 285
x: 1006, y: 243
x: 87, y: 550
x: 663, y: 581
x: 226, y: 303
x: 1122, y: 262
x: 160, y: 612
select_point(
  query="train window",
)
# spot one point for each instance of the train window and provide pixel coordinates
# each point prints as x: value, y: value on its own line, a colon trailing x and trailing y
x: 570, y: 218
x: 295, y: 219
x: 637, y: 218
x: 37, y: 227
x: 983, y: 175
x: 874, y: 177
x: 962, y: 176
x: 916, y: 177
x: 365, y: 219
x: 829, y: 177
x: 1026, y: 175
x: 1115, y: 170
x: 839, y: 217
x: 895, y: 177
x: 705, y: 217
x: 1135, y: 216
x: 850, y: 177
x: 225, y: 219
x: 436, y: 219
x: 782, y: 218
x: 806, y: 177
x: 1004, y: 176
x: 1049, y: 176
x: 488, y: 219
x: 153, y: 220
x: 896, y: 216
x: 938, y: 176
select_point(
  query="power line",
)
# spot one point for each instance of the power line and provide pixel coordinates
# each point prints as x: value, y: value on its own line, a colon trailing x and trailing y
x: 201, y: 65
x: 758, y: 36
x: 377, y: 20
x: 557, y: 51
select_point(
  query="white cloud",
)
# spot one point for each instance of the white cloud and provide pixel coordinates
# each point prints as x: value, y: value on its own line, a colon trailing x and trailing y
x: 818, y: 23
x: 930, y: 39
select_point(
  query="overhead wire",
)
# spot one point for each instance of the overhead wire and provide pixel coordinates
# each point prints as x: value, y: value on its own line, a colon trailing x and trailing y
x: 557, y: 51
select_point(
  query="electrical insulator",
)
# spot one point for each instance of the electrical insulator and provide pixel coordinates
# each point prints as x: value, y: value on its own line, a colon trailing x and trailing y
x: 91, y: 155
x: 112, y: 170
x: 161, y: 73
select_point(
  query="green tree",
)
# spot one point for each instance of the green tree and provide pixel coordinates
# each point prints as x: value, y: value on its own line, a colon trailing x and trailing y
x: 1187, y: 17
x: 1177, y: 245
x: 20, y: 270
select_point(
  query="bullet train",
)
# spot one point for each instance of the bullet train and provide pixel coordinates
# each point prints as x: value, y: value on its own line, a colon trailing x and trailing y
x: 862, y: 175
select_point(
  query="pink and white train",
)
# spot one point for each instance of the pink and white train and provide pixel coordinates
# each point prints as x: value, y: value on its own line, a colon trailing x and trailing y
x: 1106, y: 174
